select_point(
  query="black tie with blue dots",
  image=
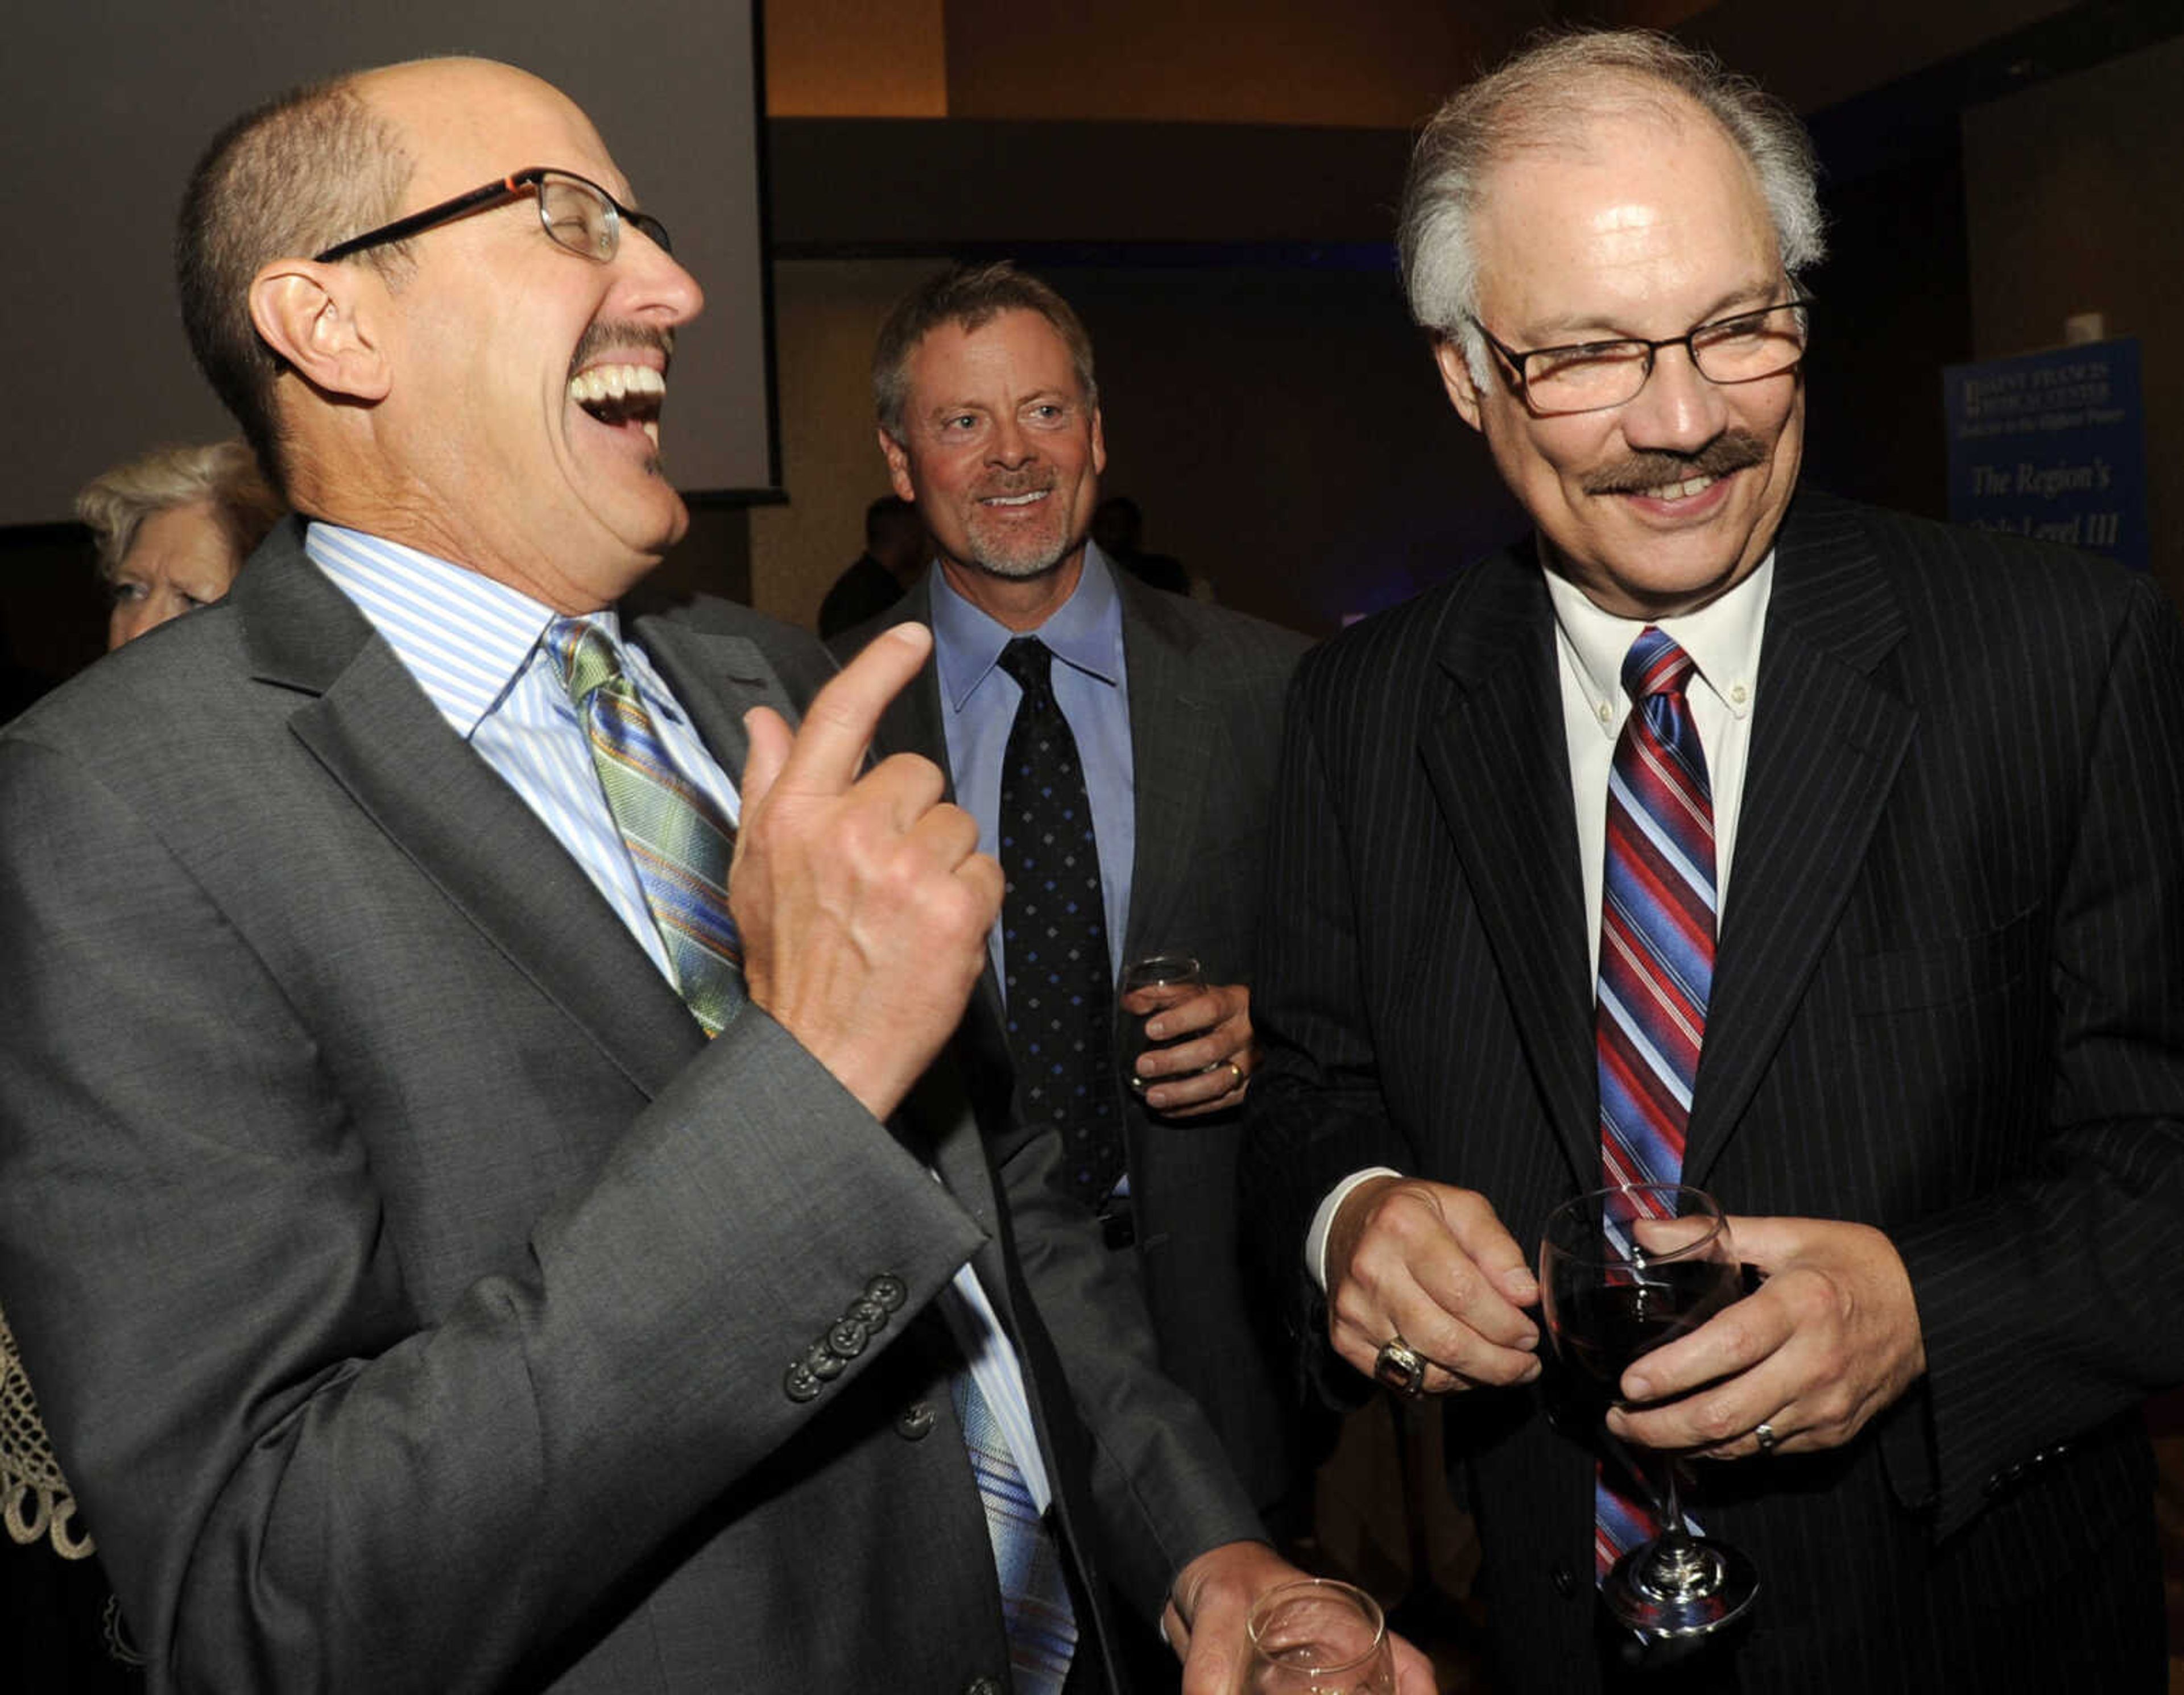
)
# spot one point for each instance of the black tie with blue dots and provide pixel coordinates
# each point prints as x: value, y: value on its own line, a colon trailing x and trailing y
x: 1054, y: 936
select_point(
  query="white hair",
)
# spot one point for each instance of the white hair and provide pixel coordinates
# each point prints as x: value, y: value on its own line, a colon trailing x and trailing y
x: 1544, y: 97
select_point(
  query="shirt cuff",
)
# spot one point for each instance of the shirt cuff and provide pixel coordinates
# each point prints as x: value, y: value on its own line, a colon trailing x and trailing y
x: 1322, y: 1221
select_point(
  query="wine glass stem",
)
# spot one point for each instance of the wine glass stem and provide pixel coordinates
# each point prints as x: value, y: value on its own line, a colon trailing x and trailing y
x: 1671, y: 1508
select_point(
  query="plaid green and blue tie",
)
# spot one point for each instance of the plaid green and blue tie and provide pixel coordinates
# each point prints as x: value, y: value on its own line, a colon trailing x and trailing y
x: 679, y: 841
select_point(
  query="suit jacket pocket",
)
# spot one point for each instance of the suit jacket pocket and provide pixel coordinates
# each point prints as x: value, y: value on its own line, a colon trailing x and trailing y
x: 1939, y: 973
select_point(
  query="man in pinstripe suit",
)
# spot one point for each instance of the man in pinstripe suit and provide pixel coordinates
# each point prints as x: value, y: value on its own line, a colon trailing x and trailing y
x: 1940, y: 1064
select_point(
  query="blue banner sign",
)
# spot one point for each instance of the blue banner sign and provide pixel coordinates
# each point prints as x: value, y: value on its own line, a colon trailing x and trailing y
x: 2052, y: 445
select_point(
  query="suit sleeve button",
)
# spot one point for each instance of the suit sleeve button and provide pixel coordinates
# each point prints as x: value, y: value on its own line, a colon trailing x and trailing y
x: 981, y: 1686
x: 889, y: 1289
x: 822, y: 1363
x: 915, y: 1422
x: 799, y: 1384
x: 846, y: 1338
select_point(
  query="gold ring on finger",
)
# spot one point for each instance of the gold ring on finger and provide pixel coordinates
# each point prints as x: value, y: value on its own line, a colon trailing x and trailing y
x: 1401, y: 1367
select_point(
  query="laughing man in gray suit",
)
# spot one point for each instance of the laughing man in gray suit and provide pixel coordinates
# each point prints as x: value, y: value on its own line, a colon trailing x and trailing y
x: 989, y: 420
x: 443, y: 1265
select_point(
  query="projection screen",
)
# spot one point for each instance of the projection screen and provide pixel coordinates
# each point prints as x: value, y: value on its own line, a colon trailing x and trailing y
x: 108, y: 102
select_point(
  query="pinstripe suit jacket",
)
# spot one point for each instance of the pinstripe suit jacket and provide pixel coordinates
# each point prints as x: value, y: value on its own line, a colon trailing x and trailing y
x: 1948, y: 1002
x: 418, y: 1300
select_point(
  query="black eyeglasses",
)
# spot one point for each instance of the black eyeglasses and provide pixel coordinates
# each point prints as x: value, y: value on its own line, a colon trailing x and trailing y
x: 1592, y: 376
x: 577, y: 213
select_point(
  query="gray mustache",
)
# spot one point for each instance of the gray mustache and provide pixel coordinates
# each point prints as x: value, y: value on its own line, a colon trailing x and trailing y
x: 1733, y: 450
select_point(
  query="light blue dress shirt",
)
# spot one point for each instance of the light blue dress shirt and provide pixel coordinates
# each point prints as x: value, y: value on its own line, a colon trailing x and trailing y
x: 979, y: 704
x: 473, y: 645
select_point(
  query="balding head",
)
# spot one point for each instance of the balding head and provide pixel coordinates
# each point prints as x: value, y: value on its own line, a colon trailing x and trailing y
x: 291, y: 177
x: 488, y: 391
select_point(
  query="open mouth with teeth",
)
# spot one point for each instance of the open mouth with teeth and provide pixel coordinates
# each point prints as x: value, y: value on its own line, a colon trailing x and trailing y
x: 622, y: 396
x: 1677, y: 491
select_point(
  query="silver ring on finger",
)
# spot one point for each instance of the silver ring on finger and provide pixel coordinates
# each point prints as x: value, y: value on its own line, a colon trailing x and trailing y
x: 1401, y: 1367
x: 1764, y: 1432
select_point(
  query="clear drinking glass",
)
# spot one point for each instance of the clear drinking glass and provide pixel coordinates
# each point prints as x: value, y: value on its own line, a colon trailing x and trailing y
x: 1319, y: 1638
x: 1169, y: 977
x: 1622, y: 1271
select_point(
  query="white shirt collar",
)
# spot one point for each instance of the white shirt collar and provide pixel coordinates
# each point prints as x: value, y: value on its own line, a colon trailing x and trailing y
x: 1722, y: 638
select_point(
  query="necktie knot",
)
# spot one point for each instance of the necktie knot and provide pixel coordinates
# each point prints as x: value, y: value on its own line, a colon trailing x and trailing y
x: 584, y: 656
x: 680, y: 846
x: 1030, y: 661
x: 1655, y: 665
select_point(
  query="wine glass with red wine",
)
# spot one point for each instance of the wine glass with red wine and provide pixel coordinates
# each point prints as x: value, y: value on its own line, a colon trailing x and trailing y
x: 1622, y: 1271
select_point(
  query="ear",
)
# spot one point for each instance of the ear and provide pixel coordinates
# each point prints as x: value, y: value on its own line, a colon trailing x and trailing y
x: 898, y: 464
x: 1456, y: 378
x: 315, y: 317
x: 1098, y: 446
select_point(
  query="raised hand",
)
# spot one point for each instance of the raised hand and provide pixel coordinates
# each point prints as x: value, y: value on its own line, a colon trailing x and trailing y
x: 863, y: 901
x: 1211, y: 1603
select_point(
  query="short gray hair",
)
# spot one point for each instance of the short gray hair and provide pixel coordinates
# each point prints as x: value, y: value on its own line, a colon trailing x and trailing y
x: 225, y: 474
x: 1542, y: 97
x: 285, y: 181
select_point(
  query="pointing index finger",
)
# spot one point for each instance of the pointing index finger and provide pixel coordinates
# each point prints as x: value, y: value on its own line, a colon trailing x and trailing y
x: 838, y: 724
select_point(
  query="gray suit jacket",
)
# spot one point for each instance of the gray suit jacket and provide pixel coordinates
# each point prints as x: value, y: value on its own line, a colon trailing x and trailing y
x: 412, y: 1292
x: 1205, y: 713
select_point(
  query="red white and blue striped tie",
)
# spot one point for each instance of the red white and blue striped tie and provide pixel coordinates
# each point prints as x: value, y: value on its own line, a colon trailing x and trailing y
x: 1656, y: 940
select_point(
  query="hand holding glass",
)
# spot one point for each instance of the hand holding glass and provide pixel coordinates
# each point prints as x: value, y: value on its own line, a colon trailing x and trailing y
x: 1167, y: 978
x: 1319, y: 1638
x: 1622, y: 1271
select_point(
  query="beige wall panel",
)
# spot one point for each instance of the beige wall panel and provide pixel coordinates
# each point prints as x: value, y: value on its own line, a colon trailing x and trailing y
x: 855, y: 58
x: 826, y: 314
x: 1222, y: 61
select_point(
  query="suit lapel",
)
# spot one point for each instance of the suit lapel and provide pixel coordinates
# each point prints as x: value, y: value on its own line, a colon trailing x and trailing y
x: 1826, y: 743
x: 717, y: 678
x: 1172, y: 748
x: 1500, y: 771
x: 373, y: 730
x: 912, y: 722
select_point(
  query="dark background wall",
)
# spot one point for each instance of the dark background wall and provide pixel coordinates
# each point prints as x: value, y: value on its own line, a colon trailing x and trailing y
x: 1213, y: 187
x: 1267, y: 404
